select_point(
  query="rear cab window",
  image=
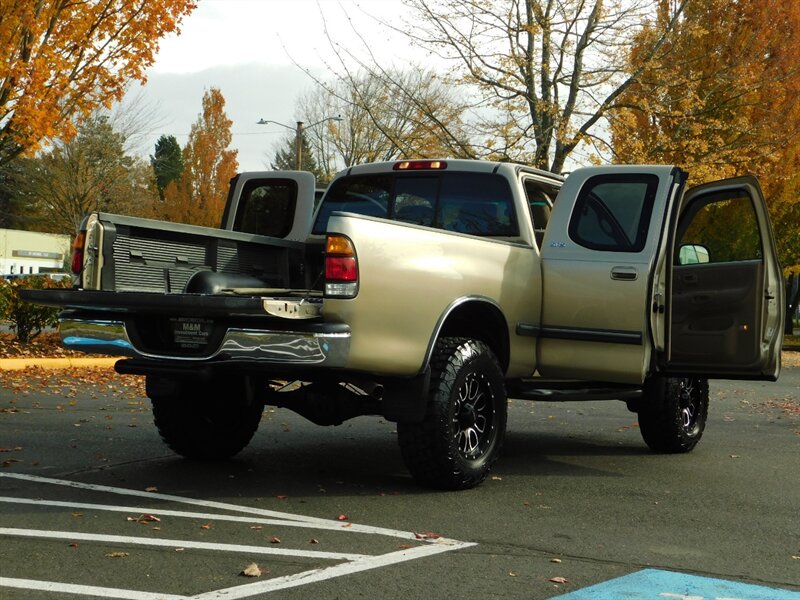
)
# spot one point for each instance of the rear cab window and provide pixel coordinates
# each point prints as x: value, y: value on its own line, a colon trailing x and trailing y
x: 474, y: 203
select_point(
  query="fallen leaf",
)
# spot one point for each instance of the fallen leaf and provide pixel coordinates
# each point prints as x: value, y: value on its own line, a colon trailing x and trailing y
x: 496, y: 478
x: 77, y: 514
x: 180, y: 549
x: 74, y: 545
x: 343, y: 517
x: 313, y: 541
x: 405, y: 546
x: 734, y: 456
x: 555, y: 560
x: 144, y: 519
x: 428, y: 535
x: 281, y: 497
x: 347, y: 525
x: 152, y: 488
x: 206, y: 526
x: 251, y: 570
x: 117, y: 554
x: 512, y: 573
x: 558, y: 579
x: 275, y: 540
x: 257, y: 527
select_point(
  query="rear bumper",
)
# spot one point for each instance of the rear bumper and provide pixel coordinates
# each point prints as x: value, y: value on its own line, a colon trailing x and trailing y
x: 317, y: 345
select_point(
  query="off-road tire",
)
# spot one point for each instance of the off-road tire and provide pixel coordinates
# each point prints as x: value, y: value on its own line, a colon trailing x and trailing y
x: 462, y: 433
x: 206, y: 421
x: 673, y: 413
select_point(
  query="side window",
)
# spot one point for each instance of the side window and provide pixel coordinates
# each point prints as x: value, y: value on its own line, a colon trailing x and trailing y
x: 720, y: 227
x: 612, y: 212
x: 267, y: 207
x: 476, y: 203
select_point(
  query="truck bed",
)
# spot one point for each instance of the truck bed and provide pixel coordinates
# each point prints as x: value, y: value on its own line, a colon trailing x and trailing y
x: 143, y: 255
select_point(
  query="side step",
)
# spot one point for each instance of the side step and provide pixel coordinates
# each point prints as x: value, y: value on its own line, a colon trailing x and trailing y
x: 569, y: 391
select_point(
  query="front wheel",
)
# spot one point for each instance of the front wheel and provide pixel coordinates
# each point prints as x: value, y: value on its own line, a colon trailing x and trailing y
x: 460, y: 438
x: 673, y: 413
x: 205, y: 420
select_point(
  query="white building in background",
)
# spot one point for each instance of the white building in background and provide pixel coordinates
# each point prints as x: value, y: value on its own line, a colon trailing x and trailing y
x: 31, y: 252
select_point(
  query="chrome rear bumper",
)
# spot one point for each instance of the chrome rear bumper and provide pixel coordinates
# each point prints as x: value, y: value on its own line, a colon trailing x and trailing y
x: 322, y: 346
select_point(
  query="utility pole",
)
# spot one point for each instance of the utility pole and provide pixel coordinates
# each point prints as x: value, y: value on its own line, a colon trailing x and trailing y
x: 298, y: 147
x: 298, y: 136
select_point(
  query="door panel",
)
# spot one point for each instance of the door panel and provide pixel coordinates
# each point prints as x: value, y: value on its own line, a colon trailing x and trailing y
x: 713, y: 306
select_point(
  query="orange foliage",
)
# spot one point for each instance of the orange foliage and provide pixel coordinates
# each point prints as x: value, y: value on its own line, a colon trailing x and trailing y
x: 199, y: 196
x: 722, y: 101
x: 61, y: 59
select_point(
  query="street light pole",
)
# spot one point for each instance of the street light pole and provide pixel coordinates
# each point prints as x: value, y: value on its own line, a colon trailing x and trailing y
x: 298, y: 136
x: 298, y: 147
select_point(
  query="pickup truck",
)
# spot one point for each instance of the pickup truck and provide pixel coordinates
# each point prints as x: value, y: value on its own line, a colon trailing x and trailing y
x: 428, y: 292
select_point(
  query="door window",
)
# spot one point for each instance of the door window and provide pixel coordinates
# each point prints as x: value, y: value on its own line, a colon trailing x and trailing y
x: 612, y: 212
x: 719, y: 228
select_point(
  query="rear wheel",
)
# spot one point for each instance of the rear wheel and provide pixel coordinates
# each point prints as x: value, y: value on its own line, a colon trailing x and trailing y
x: 460, y: 438
x: 205, y: 420
x: 673, y: 413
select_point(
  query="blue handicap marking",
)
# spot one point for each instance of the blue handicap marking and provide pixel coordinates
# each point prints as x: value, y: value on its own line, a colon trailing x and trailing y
x: 653, y: 584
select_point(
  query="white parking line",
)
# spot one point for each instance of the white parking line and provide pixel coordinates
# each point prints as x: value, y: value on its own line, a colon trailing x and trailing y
x: 83, y: 590
x: 353, y: 563
x: 140, y: 541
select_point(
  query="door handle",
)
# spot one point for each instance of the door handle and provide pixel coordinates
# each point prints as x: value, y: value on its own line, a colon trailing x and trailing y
x: 624, y: 274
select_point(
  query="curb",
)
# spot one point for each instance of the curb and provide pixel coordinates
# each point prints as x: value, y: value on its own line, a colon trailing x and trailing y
x: 18, y: 364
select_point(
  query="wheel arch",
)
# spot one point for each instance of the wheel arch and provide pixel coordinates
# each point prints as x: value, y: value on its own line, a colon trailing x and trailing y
x: 476, y: 317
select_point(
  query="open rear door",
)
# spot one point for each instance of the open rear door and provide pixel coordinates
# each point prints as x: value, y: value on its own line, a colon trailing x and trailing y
x: 723, y: 307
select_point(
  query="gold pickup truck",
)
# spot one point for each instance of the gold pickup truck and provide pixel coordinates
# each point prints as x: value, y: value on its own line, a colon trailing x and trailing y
x: 429, y: 292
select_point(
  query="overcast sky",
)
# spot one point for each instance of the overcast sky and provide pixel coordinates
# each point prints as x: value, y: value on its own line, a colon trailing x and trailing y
x: 250, y: 50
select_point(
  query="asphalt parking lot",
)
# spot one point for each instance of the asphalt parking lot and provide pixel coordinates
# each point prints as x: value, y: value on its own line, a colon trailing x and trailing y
x: 92, y: 504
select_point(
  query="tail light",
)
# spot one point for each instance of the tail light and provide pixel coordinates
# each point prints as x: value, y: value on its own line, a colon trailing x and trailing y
x: 341, y: 268
x: 419, y: 165
x: 77, y: 252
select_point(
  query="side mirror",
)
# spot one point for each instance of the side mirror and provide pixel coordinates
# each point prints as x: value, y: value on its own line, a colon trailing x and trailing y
x: 693, y: 254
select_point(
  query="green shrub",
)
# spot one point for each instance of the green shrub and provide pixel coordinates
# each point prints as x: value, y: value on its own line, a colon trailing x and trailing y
x: 28, y: 320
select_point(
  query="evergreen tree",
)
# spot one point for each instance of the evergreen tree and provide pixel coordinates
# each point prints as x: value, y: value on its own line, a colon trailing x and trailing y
x: 167, y: 162
x: 12, y: 209
x: 285, y: 157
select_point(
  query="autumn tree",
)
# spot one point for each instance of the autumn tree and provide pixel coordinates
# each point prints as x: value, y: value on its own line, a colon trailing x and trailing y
x: 199, y: 195
x: 732, y: 109
x: 91, y: 171
x: 376, y: 121
x: 539, y: 76
x: 60, y: 60
x: 167, y: 162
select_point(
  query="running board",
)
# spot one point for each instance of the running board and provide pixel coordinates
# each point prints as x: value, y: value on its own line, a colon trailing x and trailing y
x: 569, y: 391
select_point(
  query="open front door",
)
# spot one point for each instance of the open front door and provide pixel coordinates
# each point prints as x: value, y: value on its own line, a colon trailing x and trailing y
x: 723, y: 309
